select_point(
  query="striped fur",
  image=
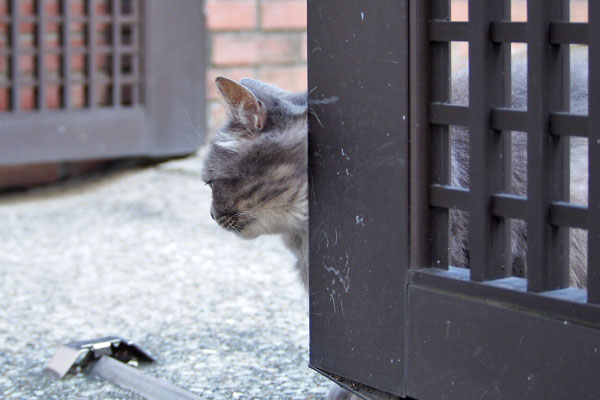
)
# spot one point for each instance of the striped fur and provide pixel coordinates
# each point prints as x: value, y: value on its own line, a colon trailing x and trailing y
x: 258, y: 174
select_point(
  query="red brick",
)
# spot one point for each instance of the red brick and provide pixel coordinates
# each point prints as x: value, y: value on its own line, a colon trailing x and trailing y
x: 283, y: 15
x: 4, y: 38
x: 518, y: 11
x: 77, y: 7
x: 4, y: 99
x: 78, y: 94
x: 52, y: 36
x: 103, y: 7
x: 217, y: 114
x: 78, y: 63
x: 254, y: 49
x: 579, y: 11
x: 29, y: 175
x: 3, y: 7
x: 292, y: 78
x: 459, y: 10
x: 52, y: 7
x: 27, y: 94
x: 52, y: 62
x: 78, y: 34
x: 3, y: 66
x: 231, y: 73
x: 26, y: 64
x: 26, y: 7
x: 231, y: 14
x: 53, y: 96
x: 26, y: 31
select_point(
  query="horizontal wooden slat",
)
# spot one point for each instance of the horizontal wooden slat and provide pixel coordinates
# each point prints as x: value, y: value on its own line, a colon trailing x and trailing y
x: 567, y: 304
x: 51, y: 137
x: 563, y: 123
x: 446, y: 31
x: 567, y: 214
x: 508, y: 119
x: 508, y: 32
x: 568, y: 33
x: 448, y: 114
x: 449, y: 197
x: 509, y: 206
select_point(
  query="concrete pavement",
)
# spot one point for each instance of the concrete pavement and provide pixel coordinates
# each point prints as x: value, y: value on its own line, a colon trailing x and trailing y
x: 136, y: 254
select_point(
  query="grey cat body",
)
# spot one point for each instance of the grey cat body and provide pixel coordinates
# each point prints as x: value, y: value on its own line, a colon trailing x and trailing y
x: 257, y: 169
x: 459, y: 254
x: 258, y: 173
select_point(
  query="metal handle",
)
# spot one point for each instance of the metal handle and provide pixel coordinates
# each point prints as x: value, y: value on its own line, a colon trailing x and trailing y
x: 132, y: 379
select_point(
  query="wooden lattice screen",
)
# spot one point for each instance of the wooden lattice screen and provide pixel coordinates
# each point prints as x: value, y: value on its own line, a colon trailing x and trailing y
x: 84, y: 79
x: 387, y: 321
x: 83, y: 55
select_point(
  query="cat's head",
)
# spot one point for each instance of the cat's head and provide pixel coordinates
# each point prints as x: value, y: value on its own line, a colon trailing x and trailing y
x: 257, y: 163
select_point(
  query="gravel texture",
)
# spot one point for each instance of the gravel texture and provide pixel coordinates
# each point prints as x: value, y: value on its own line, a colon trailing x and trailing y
x: 135, y: 254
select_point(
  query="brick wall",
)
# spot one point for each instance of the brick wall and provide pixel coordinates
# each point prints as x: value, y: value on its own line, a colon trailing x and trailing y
x: 263, y: 39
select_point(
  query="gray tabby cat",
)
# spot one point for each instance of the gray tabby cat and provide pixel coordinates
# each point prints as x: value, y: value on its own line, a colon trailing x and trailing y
x: 459, y: 253
x: 257, y: 165
x: 257, y: 169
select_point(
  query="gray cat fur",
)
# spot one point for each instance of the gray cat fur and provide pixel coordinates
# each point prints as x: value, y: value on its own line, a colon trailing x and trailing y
x: 459, y: 255
x: 259, y: 177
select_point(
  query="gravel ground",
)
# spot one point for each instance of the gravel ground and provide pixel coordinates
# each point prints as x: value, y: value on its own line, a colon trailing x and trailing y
x: 135, y: 254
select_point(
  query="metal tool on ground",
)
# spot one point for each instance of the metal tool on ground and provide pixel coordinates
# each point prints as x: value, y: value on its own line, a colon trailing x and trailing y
x: 109, y: 358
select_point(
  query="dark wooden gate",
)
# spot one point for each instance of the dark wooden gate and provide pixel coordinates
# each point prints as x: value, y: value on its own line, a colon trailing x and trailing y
x: 88, y: 79
x: 390, y: 315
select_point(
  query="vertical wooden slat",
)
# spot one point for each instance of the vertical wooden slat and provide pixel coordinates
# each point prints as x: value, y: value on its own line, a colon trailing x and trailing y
x: 66, y: 48
x: 135, y: 63
x: 594, y: 153
x: 420, y: 141
x: 507, y: 138
x: 440, y: 138
x: 41, y: 55
x: 116, y: 57
x: 91, y: 57
x: 15, y: 54
x: 546, y: 262
x: 486, y: 90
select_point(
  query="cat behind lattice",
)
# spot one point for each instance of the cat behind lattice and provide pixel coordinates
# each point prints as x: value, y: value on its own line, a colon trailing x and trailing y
x: 256, y: 167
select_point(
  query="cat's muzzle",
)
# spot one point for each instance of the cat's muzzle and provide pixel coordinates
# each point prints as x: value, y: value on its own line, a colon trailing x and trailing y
x: 233, y: 222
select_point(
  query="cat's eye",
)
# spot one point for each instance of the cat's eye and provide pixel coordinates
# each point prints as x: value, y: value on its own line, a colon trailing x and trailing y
x: 210, y: 183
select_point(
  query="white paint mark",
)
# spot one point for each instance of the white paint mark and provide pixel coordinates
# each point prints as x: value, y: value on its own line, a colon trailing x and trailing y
x: 362, y: 16
x: 404, y: 118
x: 347, y: 172
x: 360, y: 220
x: 326, y: 238
x: 344, y: 279
x: 333, y: 301
x: 346, y: 156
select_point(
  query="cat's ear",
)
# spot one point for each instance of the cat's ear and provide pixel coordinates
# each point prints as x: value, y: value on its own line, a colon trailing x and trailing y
x: 242, y: 104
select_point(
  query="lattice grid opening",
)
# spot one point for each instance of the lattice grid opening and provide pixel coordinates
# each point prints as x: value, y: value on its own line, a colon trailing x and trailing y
x: 70, y: 54
x: 548, y: 41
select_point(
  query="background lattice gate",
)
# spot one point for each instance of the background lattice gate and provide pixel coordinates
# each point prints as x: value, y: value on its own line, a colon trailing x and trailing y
x: 89, y: 79
x: 381, y: 151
